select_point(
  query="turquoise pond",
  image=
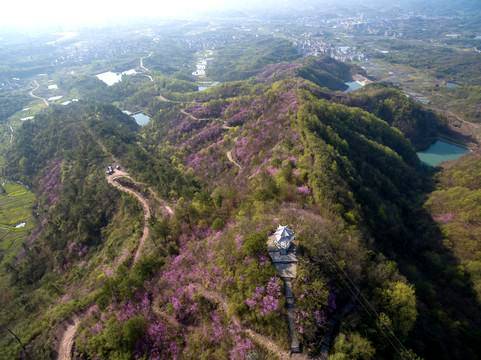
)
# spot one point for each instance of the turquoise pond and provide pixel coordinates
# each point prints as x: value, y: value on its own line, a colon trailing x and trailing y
x: 141, y: 119
x: 441, y: 151
x: 353, y: 86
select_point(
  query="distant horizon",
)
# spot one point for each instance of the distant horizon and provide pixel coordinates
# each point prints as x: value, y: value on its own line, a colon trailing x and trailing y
x: 48, y: 13
x: 59, y: 15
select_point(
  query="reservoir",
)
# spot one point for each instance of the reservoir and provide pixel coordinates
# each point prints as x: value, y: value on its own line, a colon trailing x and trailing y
x: 441, y: 151
x: 141, y: 119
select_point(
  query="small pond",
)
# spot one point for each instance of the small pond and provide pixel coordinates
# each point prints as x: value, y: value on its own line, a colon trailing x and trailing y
x: 451, y: 85
x: 353, y: 86
x: 441, y: 151
x: 141, y: 119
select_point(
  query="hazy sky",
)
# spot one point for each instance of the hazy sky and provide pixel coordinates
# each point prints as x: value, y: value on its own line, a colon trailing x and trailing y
x: 42, y: 12
x: 32, y: 13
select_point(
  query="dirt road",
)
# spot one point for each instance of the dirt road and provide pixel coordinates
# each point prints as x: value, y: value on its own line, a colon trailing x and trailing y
x: 36, y: 86
x: 259, y: 339
x: 231, y: 159
x: 66, y: 344
x: 111, y: 179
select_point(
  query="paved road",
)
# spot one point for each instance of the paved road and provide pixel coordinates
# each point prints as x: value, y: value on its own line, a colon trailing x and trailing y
x: 142, y: 67
x: 11, y: 133
x: 36, y: 84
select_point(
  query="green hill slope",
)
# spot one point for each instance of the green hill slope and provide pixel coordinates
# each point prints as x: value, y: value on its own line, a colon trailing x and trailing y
x: 375, y: 279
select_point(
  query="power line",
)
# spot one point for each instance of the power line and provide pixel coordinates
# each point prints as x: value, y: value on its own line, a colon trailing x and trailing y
x: 370, y: 305
x: 364, y: 302
x: 356, y: 295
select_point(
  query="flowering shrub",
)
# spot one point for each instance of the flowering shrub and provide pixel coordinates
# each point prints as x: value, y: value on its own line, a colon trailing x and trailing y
x: 314, y: 301
x: 265, y: 299
x: 444, y: 218
x: 51, y: 182
x: 130, y: 329
x: 303, y: 190
x: 274, y: 72
x: 211, y: 109
x: 209, y: 134
x: 241, y: 347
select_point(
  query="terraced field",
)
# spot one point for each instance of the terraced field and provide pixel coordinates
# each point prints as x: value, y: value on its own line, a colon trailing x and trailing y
x: 15, y: 209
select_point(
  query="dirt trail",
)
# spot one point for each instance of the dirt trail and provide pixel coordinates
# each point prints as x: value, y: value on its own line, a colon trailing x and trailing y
x: 261, y: 340
x: 66, y: 344
x: 167, y: 209
x: 231, y: 159
x: 164, y: 99
x: 162, y: 314
x: 189, y: 115
x: 111, y: 179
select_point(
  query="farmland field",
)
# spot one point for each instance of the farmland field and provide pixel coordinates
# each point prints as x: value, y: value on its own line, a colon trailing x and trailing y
x: 15, y: 208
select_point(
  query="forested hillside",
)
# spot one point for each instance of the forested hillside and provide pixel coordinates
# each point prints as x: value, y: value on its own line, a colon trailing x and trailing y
x: 378, y: 276
x: 418, y: 124
x: 455, y: 206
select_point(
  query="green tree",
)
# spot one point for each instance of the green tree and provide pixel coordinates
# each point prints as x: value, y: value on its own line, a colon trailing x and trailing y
x: 399, y: 300
x: 352, y: 346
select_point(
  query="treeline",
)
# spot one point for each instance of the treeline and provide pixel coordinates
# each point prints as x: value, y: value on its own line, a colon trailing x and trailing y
x: 243, y: 59
x: 444, y: 62
x: 417, y: 123
x: 367, y: 172
x: 11, y: 103
x: 455, y: 205
x: 327, y: 72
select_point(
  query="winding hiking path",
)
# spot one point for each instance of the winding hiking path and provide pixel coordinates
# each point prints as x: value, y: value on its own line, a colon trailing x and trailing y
x: 164, y: 99
x: 232, y: 160
x: 112, y: 180
x: 66, y: 344
x: 189, y: 115
x: 37, y: 85
x: 259, y: 339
